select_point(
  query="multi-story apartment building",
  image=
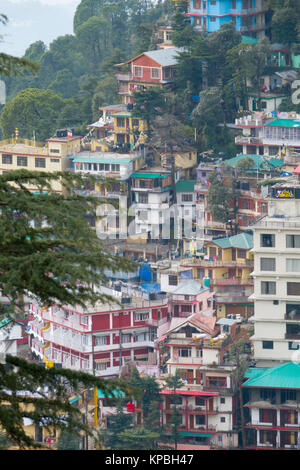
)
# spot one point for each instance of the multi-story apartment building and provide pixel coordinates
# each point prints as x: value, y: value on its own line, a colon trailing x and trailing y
x: 276, y: 276
x: 151, y: 68
x: 190, y: 297
x: 51, y: 156
x: 226, y: 265
x: 206, y: 401
x: 100, y: 339
x: 248, y: 16
x: 151, y: 197
x: 272, y: 407
x: 263, y: 135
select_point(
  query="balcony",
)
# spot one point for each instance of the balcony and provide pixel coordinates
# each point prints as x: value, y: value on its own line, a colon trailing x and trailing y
x: 248, y: 121
x: 241, y: 140
x: 215, y: 263
x: 293, y: 336
x: 124, y: 77
x: 232, y: 282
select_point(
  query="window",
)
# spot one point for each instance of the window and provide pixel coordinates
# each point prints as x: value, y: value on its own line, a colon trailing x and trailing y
x: 223, y: 419
x: 267, y: 240
x: 54, y: 160
x: 212, y: 19
x: 120, y: 122
x: 138, y: 71
x: 267, y: 345
x: 293, y: 265
x: 197, y: 4
x: 115, y: 167
x: 267, y: 264
x: 268, y: 287
x: 143, y: 198
x: 167, y: 73
x: 6, y: 159
x: 222, y: 400
x: 293, y: 241
x: 199, y: 401
x: 185, y: 352
x: 99, y: 340
x: 155, y: 73
x: 84, y: 319
x: 102, y: 365
x: 125, y: 338
x: 293, y: 345
x: 246, y: 203
x: 173, y: 281
x: 141, y: 316
x: 22, y: 161
x: 200, y: 420
x: 241, y: 254
x: 187, y: 197
x: 40, y: 163
x: 54, y: 150
x: 293, y: 288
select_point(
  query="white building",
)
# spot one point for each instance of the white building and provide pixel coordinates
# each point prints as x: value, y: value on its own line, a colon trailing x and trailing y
x: 277, y: 277
x: 267, y: 135
x: 10, y: 333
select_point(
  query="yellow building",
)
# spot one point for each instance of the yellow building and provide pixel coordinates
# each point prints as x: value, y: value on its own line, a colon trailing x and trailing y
x: 226, y: 265
x: 50, y: 157
x: 129, y: 129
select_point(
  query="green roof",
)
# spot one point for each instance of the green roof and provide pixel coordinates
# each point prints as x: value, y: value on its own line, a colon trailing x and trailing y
x: 5, y: 321
x: 284, y: 123
x: 244, y: 241
x: 254, y: 372
x: 185, y: 186
x: 249, y: 40
x: 150, y: 175
x: 266, y: 162
x: 195, y: 434
x: 114, y: 394
x: 286, y: 375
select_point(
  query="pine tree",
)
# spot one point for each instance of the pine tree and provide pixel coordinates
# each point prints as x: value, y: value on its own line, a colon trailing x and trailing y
x: 48, y: 252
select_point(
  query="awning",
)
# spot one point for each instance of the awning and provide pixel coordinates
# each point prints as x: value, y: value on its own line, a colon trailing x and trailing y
x: 195, y: 434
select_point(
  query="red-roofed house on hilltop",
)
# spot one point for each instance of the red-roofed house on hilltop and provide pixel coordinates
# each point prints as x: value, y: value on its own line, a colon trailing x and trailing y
x: 151, y: 68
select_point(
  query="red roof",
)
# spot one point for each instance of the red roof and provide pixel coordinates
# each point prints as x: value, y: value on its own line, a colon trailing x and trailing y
x: 297, y: 170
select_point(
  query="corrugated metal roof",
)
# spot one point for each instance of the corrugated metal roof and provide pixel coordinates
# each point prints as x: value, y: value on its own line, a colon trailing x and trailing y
x: 190, y: 287
x: 284, y: 376
x: 260, y: 162
x: 185, y: 185
x: 284, y: 123
x: 244, y: 241
x: 165, y: 57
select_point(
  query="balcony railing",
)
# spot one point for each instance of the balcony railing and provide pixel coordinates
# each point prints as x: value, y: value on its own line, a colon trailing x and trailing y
x: 241, y: 140
x: 124, y: 77
x: 216, y: 263
x: 232, y: 281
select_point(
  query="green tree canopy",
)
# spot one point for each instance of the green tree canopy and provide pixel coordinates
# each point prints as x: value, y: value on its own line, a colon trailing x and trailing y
x: 32, y: 110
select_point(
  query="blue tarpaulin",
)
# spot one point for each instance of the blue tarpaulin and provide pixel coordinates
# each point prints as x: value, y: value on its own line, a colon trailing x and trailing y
x: 145, y: 272
x: 150, y: 287
x: 187, y: 274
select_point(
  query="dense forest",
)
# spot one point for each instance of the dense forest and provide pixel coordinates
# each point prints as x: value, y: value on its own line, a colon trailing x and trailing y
x: 77, y: 74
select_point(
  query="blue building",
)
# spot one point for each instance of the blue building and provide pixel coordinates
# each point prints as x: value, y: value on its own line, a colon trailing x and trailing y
x: 247, y: 15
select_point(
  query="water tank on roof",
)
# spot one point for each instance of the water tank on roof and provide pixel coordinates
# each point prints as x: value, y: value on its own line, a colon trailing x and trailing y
x: 206, y: 282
